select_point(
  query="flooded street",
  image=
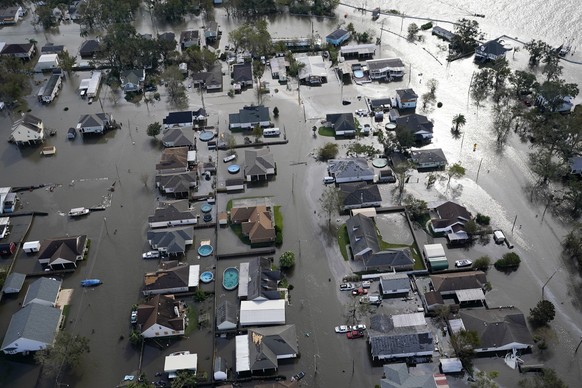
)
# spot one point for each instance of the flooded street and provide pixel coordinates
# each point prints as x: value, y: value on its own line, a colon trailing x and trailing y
x: 84, y: 170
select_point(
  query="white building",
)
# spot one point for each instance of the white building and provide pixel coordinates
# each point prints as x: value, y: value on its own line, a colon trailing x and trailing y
x: 180, y: 361
x: 266, y: 312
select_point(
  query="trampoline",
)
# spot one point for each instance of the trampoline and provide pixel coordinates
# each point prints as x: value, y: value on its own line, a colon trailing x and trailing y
x: 233, y: 168
x: 205, y: 250
x: 206, y: 136
x: 230, y: 278
x: 206, y: 277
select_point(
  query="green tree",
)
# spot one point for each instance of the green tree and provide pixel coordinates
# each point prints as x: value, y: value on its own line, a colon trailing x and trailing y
x: 466, y: 32
x: 417, y: 208
x: 14, y: 80
x: 537, y: 50
x: 482, y: 263
x: 522, y: 82
x: 175, y: 88
x: 572, y: 244
x: 459, y: 121
x: 547, y: 378
x: 66, y: 352
x: 405, y: 138
x: 287, y: 260
x: 412, y: 32
x: 66, y: 61
x: 481, y: 86
x: 542, y: 313
x: 253, y: 37
x: 44, y: 17
x: 135, y: 338
x: 184, y: 379
x: 552, y: 69
x: 328, y: 151
x: 257, y: 132
x: 464, y: 342
x: 275, y: 112
x: 485, y: 380
x: 508, y: 262
x: 154, y: 129
x: 401, y: 170
x: 331, y: 201
x: 362, y: 149
x: 455, y: 171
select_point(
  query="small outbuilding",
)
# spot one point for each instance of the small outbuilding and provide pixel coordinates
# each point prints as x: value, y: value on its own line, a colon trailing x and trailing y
x: 31, y: 246
x: 47, y: 62
x: 450, y: 365
x: 13, y: 283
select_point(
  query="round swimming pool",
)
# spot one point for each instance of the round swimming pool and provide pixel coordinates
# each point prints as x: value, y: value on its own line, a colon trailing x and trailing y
x: 358, y: 74
x: 205, y: 250
x: 206, y: 208
x: 206, y: 277
x: 206, y: 136
x: 233, y: 168
x: 230, y: 278
x: 380, y: 163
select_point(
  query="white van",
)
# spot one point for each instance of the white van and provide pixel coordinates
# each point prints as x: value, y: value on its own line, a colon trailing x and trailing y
x: 499, y: 237
x: 229, y: 158
x: 328, y: 179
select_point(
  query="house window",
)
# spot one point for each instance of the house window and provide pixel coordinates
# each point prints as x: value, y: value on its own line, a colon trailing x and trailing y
x: 165, y: 333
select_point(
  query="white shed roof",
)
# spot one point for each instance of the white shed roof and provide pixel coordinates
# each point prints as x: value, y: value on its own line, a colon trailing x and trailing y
x: 266, y: 312
x: 434, y: 250
x: 369, y: 212
x: 243, y: 362
x: 31, y: 245
x: 406, y: 320
x: 470, y: 295
x: 194, y: 276
x: 187, y: 361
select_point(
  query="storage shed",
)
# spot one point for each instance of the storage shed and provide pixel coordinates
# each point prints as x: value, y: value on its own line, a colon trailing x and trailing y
x: 31, y: 246
x: 47, y: 62
x: 13, y: 283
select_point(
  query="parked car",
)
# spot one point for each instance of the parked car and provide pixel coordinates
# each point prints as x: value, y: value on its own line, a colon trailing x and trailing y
x: 328, y: 179
x: 360, y: 291
x: 463, y: 263
x: 133, y: 318
x: 354, y: 334
x: 151, y: 255
x: 499, y: 237
x: 359, y: 327
x: 366, y: 284
x: 298, y: 376
x: 341, y: 329
x: 346, y: 287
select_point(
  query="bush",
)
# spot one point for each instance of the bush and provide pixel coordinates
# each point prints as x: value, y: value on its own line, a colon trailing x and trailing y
x: 543, y: 313
x: 328, y: 151
x: 510, y: 260
x: 482, y: 263
x: 287, y: 260
x: 278, y: 235
x: 482, y: 219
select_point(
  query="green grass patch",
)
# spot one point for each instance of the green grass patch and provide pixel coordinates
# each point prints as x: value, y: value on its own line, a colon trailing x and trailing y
x: 343, y: 240
x: 326, y: 131
x: 229, y: 205
x: 278, y: 217
x: 237, y: 229
x: 192, y: 316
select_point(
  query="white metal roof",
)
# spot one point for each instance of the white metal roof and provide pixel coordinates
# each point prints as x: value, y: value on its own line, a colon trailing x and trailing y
x: 369, y: 212
x: 194, y: 276
x: 174, y: 363
x: 243, y: 283
x: 48, y: 58
x: 434, y: 250
x: 243, y: 362
x: 31, y: 244
x: 266, y: 312
x: 456, y: 325
x: 406, y: 320
x: 470, y: 294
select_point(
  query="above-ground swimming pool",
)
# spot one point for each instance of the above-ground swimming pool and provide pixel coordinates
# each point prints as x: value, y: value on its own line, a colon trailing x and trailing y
x: 205, y: 250
x: 206, y: 208
x: 233, y: 168
x: 206, y: 277
x: 230, y: 278
x: 206, y: 135
x: 358, y: 74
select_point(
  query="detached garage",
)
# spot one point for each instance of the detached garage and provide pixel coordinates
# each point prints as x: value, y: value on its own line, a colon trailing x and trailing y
x: 47, y: 62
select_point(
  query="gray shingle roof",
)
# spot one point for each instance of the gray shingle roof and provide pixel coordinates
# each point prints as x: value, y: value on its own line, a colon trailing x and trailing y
x: 242, y: 72
x: 415, y: 123
x: 13, y: 282
x: 497, y: 327
x: 172, y: 211
x: 349, y: 168
x: 172, y: 240
x: 358, y: 193
x: 428, y: 156
x: 250, y: 114
x: 406, y: 94
x: 362, y: 234
x: 45, y: 289
x: 176, y: 138
x: 394, y: 283
x: 226, y: 313
x: 267, y: 343
x: 258, y: 162
x: 391, y: 257
x: 491, y: 47
x: 34, y: 322
x: 342, y: 122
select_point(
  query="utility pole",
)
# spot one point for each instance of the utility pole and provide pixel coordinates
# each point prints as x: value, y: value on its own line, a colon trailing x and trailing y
x: 479, y: 169
x: 546, y: 283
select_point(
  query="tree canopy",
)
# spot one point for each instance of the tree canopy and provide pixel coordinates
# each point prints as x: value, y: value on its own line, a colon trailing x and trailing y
x: 252, y: 37
x: 328, y: 151
x: 287, y: 260
x: 66, y: 352
x: 542, y: 313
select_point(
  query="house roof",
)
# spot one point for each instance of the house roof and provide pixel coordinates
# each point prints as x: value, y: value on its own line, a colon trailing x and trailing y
x: 134, y: 76
x: 380, y: 102
x: 242, y: 72
x: 449, y: 214
x: 184, y: 117
x: 385, y: 63
x: 458, y: 281
x: 337, y: 34
x: 443, y: 33
x: 160, y: 310
x: 211, y: 27
x: 178, y: 182
x: 34, y: 322
x: 226, y: 312
x: 173, y: 240
x: 400, y: 345
x: 95, y: 120
x: 258, y: 162
x: 314, y: 67
x: 257, y: 280
x: 349, y: 168
x: 264, y: 312
x: 433, y: 298
x: 173, y: 158
x: 17, y: 48
x: 359, y: 193
x: 259, y: 227
x: 390, y: 257
x: 415, y: 123
x: 492, y: 47
x: 174, y: 277
x: 172, y: 211
x: 576, y: 163
x: 267, y: 344
x: 211, y: 78
x: 406, y: 94
x: 29, y: 128
x: 177, y: 138
x: 89, y: 47
x: 497, y: 327
x: 250, y: 114
x: 65, y: 248
x: 169, y: 36
x: 395, y: 282
x: 428, y: 156
x: 42, y: 289
x: 189, y: 36
x: 13, y: 282
x: 399, y: 376
x: 51, y: 48
x: 341, y: 121
x: 362, y: 234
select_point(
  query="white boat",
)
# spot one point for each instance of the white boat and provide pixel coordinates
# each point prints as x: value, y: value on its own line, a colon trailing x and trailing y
x: 78, y: 211
x: 47, y: 151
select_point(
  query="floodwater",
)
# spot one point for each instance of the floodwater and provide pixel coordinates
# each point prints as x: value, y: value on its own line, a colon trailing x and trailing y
x: 84, y: 171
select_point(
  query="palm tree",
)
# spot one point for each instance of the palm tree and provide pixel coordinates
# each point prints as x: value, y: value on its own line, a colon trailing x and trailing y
x: 459, y: 121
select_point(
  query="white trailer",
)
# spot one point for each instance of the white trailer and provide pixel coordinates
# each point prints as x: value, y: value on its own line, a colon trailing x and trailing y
x: 51, y: 89
x: 94, y: 83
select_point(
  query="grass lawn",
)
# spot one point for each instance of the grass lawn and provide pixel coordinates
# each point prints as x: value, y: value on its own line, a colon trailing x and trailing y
x: 278, y: 217
x: 192, y: 316
x: 326, y: 131
x: 343, y: 240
